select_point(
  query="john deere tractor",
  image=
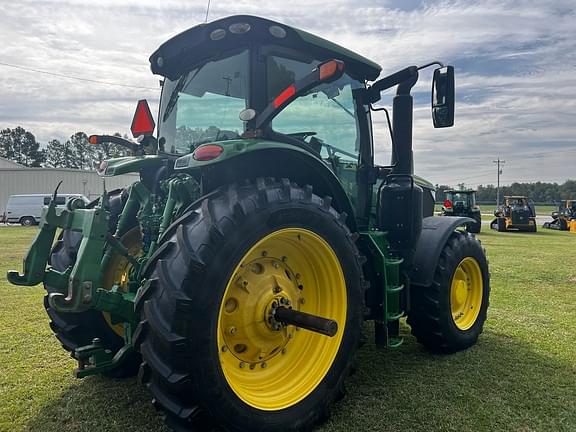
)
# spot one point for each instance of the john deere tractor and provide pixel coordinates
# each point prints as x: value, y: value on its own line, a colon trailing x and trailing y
x: 236, y: 273
x: 463, y: 203
x: 564, y: 218
x: 517, y: 214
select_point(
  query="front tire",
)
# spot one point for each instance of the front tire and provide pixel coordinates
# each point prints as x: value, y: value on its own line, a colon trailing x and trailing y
x: 449, y: 315
x: 212, y: 356
x: 27, y: 221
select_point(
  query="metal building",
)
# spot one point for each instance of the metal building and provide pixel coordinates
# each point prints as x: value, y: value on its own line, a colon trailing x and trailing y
x: 17, y: 179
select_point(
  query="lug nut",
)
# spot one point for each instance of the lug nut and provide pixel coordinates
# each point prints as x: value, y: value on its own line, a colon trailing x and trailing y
x: 232, y: 330
x: 264, y: 365
x: 224, y: 348
x: 284, y: 259
x: 241, y: 365
x: 264, y: 253
x: 276, y: 289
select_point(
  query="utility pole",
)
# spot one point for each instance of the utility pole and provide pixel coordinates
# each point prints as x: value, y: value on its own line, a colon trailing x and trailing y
x: 499, y: 162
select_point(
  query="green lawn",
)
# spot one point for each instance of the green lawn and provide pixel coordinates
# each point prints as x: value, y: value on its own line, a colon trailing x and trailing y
x: 521, y: 376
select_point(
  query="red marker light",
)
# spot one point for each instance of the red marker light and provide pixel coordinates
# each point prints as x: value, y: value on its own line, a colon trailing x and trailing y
x: 207, y: 152
x: 143, y: 122
x: 93, y: 139
x: 284, y: 96
x: 330, y: 69
x: 447, y: 203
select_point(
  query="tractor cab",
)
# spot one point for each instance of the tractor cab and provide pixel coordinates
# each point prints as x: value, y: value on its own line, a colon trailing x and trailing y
x: 462, y: 203
x: 244, y: 81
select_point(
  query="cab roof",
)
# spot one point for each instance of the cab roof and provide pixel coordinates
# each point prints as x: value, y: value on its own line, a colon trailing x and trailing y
x: 202, y: 42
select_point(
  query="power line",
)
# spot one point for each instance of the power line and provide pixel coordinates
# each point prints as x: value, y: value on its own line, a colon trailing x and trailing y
x: 75, y: 77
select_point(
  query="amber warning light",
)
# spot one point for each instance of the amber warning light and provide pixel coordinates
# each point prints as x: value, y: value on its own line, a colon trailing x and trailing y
x: 331, y: 69
x: 143, y: 122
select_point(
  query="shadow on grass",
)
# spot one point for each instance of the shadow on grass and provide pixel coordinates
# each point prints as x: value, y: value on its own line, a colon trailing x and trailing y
x: 499, y: 384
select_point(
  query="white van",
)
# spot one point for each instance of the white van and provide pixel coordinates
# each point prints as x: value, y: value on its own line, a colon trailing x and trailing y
x: 27, y: 209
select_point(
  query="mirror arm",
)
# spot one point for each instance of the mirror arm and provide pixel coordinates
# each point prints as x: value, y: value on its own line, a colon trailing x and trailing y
x: 432, y: 63
x: 407, y: 74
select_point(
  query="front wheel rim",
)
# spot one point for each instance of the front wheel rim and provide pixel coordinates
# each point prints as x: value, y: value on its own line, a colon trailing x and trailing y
x: 270, y: 366
x: 466, y: 292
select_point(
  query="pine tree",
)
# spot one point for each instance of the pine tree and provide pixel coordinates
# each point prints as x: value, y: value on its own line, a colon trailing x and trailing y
x: 21, y: 146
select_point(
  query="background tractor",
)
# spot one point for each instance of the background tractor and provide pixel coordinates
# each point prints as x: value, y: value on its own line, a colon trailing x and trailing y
x: 236, y: 274
x: 563, y: 218
x: 463, y: 203
x: 517, y: 213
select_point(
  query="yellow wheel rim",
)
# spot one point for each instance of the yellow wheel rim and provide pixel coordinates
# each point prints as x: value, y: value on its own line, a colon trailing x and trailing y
x: 118, y: 270
x: 268, y: 365
x: 466, y: 293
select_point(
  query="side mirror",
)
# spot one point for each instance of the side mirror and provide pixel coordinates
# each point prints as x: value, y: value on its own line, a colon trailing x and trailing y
x: 443, y: 97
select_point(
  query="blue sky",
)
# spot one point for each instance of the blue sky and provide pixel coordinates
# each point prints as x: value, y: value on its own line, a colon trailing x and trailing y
x: 515, y: 70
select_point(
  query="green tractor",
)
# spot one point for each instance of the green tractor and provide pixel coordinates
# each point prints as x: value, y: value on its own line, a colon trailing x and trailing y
x: 463, y: 203
x: 516, y: 214
x: 562, y: 218
x: 235, y: 275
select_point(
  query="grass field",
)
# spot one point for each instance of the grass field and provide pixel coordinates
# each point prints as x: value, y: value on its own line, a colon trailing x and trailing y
x: 521, y: 376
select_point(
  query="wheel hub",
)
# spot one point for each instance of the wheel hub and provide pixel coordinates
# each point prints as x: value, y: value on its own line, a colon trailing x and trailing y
x: 251, y: 332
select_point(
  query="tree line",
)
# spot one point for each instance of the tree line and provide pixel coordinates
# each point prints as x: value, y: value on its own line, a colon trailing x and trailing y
x: 21, y: 146
x: 540, y: 192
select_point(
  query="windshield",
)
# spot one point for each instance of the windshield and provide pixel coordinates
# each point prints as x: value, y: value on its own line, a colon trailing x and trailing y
x: 203, y: 105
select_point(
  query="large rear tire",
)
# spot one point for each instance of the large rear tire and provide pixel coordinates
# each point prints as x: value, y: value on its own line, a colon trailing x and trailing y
x: 449, y: 315
x: 74, y: 330
x: 212, y: 355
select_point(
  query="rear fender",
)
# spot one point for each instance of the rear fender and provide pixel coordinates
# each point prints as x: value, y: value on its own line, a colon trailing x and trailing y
x: 435, y: 233
x: 249, y: 159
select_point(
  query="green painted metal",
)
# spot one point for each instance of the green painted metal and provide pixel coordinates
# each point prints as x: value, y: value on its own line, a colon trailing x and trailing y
x: 94, y: 359
x: 79, y: 288
x: 390, y: 288
x: 234, y: 148
x: 130, y: 164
